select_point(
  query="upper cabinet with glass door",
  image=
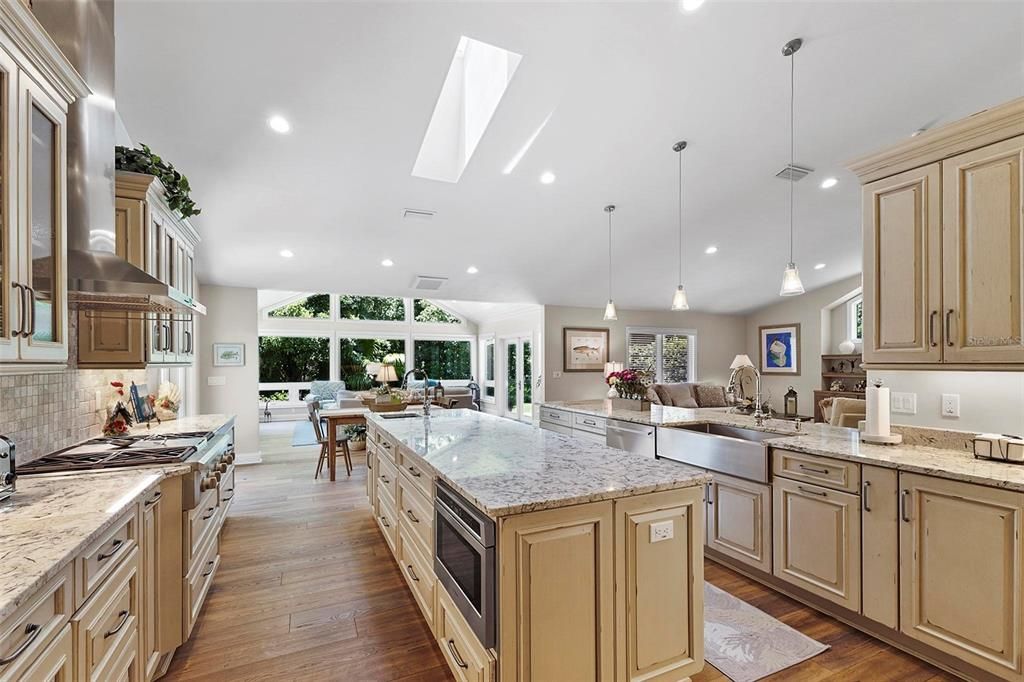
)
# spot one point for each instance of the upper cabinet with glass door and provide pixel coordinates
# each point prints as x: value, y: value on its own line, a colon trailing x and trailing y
x: 37, y: 85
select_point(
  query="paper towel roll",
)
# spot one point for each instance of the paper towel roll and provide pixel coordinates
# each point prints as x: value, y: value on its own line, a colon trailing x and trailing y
x: 877, y: 411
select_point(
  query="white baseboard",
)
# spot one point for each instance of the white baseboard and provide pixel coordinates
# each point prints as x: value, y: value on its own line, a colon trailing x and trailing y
x: 249, y: 457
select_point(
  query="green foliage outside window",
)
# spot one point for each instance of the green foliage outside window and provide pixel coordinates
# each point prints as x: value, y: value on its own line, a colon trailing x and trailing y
x: 371, y: 308
x: 354, y: 354
x: 425, y: 311
x: 317, y: 307
x: 273, y: 395
x: 444, y: 359
x: 288, y: 359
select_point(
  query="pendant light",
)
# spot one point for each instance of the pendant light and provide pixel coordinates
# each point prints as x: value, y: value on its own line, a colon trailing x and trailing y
x: 609, y: 310
x: 679, y: 301
x: 791, y: 284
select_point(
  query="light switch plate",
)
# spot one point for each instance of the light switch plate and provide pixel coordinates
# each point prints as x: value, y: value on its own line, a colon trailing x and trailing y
x: 216, y: 381
x: 904, y: 403
x: 662, y: 530
x: 950, y: 404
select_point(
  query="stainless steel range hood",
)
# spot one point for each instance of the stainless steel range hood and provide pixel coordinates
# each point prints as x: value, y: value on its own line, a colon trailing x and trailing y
x: 98, y: 279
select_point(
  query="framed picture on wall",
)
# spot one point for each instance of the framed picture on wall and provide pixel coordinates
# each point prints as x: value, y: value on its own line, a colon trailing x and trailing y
x: 584, y: 349
x: 229, y: 355
x: 780, y: 349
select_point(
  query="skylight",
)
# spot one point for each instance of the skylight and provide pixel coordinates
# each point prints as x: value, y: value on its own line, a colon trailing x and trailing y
x: 477, y: 79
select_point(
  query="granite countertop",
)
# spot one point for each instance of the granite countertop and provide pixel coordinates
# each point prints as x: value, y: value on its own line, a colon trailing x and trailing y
x: 51, y: 519
x: 200, y: 422
x: 922, y: 451
x: 506, y: 467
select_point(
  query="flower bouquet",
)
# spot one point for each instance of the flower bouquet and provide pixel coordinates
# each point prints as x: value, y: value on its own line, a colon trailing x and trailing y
x: 631, y: 385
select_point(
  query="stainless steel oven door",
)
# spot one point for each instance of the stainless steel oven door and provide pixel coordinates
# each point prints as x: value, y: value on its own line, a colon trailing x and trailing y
x: 465, y: 568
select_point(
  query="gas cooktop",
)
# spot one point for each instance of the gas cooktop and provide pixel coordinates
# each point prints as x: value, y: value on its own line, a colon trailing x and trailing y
x: 119, y: 451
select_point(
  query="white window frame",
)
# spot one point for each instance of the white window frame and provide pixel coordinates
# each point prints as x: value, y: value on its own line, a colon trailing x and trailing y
x: 659, y: 334
x: 488, y: 340
x: 851, y: 318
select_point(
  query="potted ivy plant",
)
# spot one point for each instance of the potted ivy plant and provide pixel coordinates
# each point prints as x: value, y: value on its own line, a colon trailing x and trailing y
x: 177, y: 191
x: 356, y: 437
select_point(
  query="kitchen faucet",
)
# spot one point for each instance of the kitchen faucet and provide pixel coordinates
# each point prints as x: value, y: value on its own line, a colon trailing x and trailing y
x: 426, y: 387
x: 759, y: 414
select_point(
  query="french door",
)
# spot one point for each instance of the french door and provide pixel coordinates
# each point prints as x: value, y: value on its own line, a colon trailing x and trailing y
x: 518, y: 361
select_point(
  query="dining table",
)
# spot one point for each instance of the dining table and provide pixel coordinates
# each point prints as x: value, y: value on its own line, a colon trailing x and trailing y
x: 344, y: 416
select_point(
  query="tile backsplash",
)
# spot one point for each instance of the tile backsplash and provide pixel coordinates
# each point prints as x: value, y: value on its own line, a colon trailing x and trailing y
x: 47, y: 411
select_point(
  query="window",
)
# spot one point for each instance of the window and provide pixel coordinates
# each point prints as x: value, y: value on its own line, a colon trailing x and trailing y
x: 293, y: 359
x: 316, y: 306
x: 855, y: 316
x: 666, y: 354
x: 355, y: 354
x: 444, y: 359
x: 425, y: 311
x: 371, y: 308
x: 488, y: 370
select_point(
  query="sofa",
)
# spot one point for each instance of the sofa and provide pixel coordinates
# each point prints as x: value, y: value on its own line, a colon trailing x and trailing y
x: 691, y: 395
x: 332, y: 395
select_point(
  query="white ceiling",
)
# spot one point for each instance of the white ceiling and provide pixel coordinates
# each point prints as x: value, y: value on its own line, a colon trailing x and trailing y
x: 625, y: 80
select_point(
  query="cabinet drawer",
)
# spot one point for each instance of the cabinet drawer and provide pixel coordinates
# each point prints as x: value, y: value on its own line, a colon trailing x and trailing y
x: 417, y: 472
x: 590, y: 436
x: 56, y: 663
x: 371, y: 474
x: 107, y: 621
x: 197, y: 582
x: 105, y: 554
x: 553, y: 416
x: 200, y: 523
x: 226, y: 489
x: 124, y: 663
x: 387, y: 518
x: 387, y: 477
x: 565, y: 430
x: 386, y: 446
x: 588, y: 422
x: 416, y: 569
x: 33, y: 625
x: 466, y: 657
x: 418, y: 512
x: 831, y: 473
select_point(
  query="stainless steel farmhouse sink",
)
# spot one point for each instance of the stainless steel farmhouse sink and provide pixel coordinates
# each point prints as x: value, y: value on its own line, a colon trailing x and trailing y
x: 729, y: 450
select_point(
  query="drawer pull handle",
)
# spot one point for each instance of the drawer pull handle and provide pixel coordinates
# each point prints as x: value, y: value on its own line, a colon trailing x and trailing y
x: 412, y: 516
x: 904, y: 498
x: 150, y: 503
x: 864, y: 495
x: 210, y: 564
x: 455, y: 654
x: 229, y: 497
x: 590, y: 422
x: 114, y: 547
x: 31, y: 632
x: 814, y: 470
x: 124, y: 615
x: 209, y: 516
x: 385, y: 479
x: 415, y: 472
x: 949, y: 331
x: 412, y: 573
x: 931, y: 328
x: 384, y: 521
x: 819, y: 493
x: 711, y: 499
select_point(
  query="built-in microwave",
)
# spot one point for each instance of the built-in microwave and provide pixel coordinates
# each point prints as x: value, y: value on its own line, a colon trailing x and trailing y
x: 464, y: 560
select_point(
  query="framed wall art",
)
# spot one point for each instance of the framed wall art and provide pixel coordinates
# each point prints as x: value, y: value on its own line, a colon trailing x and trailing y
x: 780, y: 349
x: 584, y: 349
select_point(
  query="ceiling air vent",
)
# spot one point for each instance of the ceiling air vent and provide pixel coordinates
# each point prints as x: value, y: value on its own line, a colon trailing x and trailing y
x: 794, y: 173
x: 428, y: 283
x: 420, y: 214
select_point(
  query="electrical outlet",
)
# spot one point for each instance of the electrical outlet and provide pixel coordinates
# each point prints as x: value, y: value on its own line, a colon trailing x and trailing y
x: 99, y: 399
x: 662, y: 530
x: 556, y: 374
x: 904, y: 403
x: 950, y: 405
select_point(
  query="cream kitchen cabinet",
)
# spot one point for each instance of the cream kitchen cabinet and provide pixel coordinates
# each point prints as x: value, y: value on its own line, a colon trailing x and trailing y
x: 944, y: 245
x: 960, y: 571
x: 880, y: 565
x: 739, y: 520
x: 37, y: 85
x: 152, y: 237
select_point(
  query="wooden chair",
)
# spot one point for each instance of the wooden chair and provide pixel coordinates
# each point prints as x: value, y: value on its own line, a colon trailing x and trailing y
x: 321, y: 438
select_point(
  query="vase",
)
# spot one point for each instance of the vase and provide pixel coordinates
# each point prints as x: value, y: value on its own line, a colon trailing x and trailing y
x: 630, y: 404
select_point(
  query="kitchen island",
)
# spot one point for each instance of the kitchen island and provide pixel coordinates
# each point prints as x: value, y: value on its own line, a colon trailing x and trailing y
x: 594, y: 568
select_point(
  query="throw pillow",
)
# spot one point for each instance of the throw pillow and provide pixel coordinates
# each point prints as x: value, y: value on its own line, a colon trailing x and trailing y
x: 677, y: 395
x: 710, y: 395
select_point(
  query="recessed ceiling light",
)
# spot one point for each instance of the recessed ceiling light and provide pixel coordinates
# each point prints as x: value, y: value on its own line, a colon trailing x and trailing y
x: 286, y: 253
x: 279, y: 124
x: 547, y: 177
x: 690, y: 5
x: 711, y: 249
x: 472, y: 270
x: 387, y: 262
x: 819, y: 266
x: 829, y: 182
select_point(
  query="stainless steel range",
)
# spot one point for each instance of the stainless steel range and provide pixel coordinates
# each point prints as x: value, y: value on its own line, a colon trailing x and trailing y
x: 208, y: 454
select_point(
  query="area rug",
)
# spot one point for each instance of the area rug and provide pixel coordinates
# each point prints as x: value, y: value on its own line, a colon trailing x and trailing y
x: 303, y: 434
x: 745, y: 643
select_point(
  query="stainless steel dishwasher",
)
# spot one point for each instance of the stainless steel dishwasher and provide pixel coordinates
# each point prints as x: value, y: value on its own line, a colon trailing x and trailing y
x: 637, y: 438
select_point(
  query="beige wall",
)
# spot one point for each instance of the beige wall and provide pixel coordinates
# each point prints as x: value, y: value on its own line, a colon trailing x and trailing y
x: 807, y: 311
x: 231, y: 317
x: 719, y: 339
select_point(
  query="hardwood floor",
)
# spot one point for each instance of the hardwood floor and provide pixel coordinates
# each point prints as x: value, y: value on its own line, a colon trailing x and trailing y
x: 307, y: 590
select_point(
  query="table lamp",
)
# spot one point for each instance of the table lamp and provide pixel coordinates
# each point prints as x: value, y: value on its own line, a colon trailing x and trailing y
x: 741, y: 361
x: 386, y: 374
